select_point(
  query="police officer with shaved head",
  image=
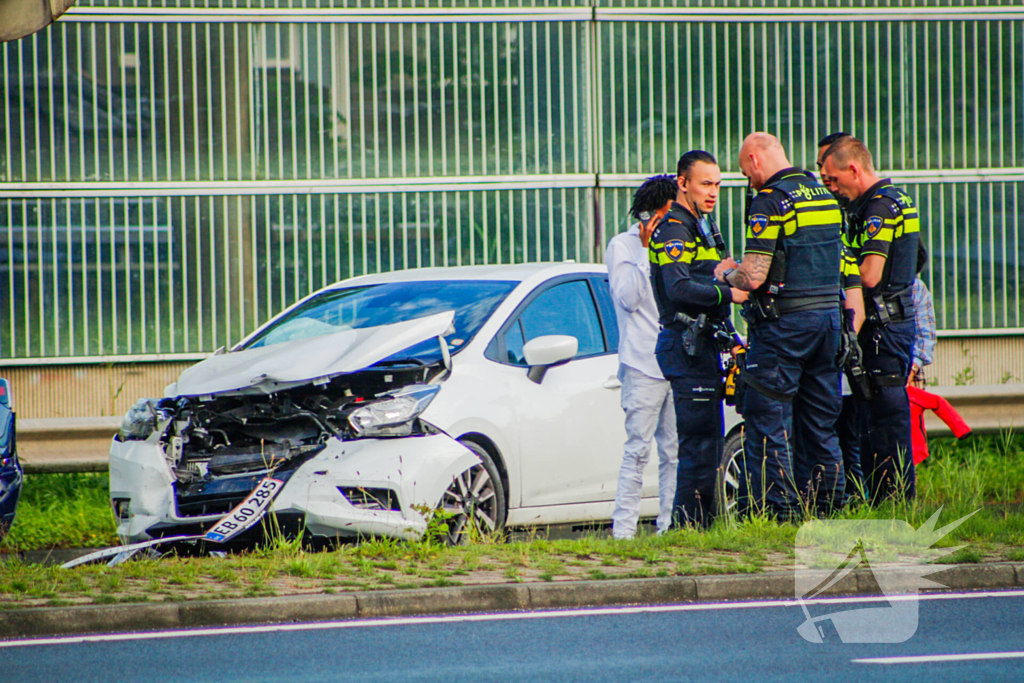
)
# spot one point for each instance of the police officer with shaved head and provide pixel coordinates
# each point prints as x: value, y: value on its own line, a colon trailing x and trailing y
x: 693, y: 309
x: 792, y: 269
x: 884, y: 232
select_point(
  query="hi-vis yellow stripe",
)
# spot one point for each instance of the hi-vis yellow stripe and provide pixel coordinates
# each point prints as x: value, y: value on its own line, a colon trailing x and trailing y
x: 820, y: 217
x: 848, y: 265
x: 817, y: 203
x: 707, y: 255
x: 689, y: 256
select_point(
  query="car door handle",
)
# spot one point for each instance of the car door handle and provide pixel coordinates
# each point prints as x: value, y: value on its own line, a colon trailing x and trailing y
x: 612, y: 383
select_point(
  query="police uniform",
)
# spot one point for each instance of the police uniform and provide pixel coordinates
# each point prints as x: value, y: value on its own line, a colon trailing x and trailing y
x: 793, y: 395
x: 884, y: 221
x: 848, y: 424
x: 683, y: 260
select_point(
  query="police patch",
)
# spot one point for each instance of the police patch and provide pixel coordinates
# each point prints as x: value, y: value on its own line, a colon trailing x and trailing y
x: 674, y: 249
x: 758, y: 222
x: 873, y: 226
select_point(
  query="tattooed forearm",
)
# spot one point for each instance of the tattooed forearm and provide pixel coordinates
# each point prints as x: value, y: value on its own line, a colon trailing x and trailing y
x: 751, y: 273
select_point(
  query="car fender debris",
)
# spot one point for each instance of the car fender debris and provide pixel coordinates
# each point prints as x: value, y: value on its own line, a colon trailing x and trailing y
x: 243, y: 516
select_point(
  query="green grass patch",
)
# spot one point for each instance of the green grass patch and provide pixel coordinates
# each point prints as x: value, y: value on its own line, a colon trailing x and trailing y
x: 63, y: 511
x: 985, y: 473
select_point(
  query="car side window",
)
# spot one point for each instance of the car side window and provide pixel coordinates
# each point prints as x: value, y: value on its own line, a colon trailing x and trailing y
x: 604, y: 300
x: 514, y: 344
x: 567, y: 308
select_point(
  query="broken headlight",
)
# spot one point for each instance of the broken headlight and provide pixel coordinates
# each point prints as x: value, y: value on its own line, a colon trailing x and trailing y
x: 139, y: 422
x: 393, y: 415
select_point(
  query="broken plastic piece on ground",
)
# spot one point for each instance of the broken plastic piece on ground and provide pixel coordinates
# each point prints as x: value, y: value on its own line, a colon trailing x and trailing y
x: 243, y: 516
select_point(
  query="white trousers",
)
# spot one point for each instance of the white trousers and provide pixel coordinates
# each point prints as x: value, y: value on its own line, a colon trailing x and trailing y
x: 650, y: 413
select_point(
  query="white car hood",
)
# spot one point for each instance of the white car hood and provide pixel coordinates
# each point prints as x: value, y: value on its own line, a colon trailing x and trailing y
x: 281, y: 366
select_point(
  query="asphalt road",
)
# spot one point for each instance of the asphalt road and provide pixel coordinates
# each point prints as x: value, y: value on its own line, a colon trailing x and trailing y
x: 739, y: 642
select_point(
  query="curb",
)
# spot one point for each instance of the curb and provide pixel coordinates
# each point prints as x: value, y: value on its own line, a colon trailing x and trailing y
x: 55, y: 621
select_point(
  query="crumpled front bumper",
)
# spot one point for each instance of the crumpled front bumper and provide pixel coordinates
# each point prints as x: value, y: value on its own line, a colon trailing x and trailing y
x: 416, y: 469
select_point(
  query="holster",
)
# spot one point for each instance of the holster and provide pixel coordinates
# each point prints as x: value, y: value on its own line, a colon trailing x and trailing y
x: 851, y: 360
x: 887, y: 379
x: 861, y: 386
x: 892, y: 308
x: 692, y: 329
x: 760, y: 308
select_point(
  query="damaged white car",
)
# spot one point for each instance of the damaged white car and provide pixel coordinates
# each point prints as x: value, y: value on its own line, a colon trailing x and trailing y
x: 490, y: 392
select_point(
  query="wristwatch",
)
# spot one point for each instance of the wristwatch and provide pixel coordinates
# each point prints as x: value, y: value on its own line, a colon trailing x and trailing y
x: 725, y: 275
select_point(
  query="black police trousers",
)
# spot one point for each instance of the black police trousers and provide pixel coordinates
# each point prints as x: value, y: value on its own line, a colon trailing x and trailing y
x: 700, y: 423
x: 848, y: 431
x: 885, y: 449
x: 791, y: 454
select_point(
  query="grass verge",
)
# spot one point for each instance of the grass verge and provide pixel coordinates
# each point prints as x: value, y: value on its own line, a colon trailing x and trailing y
x: 71, y: 510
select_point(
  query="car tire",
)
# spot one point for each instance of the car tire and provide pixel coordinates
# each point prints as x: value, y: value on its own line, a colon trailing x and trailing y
x: 475, y: 500
x: 729, y: 472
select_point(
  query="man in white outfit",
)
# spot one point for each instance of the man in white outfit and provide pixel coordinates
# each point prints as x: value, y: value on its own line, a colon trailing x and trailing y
x: 646, y: 394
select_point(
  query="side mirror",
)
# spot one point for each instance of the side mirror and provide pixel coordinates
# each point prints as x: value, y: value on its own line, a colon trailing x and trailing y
x: 543, y: 352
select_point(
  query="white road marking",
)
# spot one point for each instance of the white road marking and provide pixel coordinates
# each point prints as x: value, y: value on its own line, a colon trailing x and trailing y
x: 501, y: 616
x: 940, y: 658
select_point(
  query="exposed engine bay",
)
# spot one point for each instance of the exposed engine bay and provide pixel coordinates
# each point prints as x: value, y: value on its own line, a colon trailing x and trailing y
x: 217, y: 446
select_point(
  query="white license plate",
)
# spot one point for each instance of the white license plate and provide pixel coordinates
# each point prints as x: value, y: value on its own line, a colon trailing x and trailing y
x: 245, y: 513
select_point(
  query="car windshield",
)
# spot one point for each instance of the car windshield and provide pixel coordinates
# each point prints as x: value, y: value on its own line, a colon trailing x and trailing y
x: 337, y: 310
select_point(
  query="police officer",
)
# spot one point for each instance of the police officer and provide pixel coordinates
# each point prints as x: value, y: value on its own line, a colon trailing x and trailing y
x: 791, y: 267
x: 691, y: 306
x: 884, y: 232
x: 848, y: 424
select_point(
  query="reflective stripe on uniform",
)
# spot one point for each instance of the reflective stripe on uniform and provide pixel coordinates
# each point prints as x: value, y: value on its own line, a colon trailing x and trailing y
x: 811, y: 206
x: 691, y: 253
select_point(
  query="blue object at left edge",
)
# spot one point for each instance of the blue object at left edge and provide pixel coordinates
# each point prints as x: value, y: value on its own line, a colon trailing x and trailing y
x: 10, y: 469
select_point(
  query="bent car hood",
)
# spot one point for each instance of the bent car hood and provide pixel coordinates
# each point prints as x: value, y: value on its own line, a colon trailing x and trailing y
x: 267, y: 369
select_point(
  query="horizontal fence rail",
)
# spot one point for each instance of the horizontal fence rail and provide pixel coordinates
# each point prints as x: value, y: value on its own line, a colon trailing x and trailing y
x: 437, y: 184
x: 172, y: 176
x: 171, y: 15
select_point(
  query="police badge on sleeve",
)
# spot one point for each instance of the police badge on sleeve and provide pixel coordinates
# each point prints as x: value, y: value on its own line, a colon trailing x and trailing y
x: 758, y: 222
x: 674, y: 249
x: 873, y: 226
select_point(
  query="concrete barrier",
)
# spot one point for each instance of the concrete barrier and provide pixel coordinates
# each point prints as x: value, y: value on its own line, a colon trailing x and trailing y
x: 83, y: 444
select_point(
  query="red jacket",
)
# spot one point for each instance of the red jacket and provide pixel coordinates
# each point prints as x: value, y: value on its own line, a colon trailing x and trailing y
x: 921, y: 400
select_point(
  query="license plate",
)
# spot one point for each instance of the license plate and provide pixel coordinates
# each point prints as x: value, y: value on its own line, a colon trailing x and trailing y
x: 246, y: 513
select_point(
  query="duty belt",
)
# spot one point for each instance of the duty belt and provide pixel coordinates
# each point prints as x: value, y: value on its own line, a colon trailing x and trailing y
x: 762, y: 308
x: 807, y: 303
x: 891, y: 308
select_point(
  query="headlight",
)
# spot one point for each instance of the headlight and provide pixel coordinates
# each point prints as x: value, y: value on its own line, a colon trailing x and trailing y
x: 393, y: 416
x: 140, y: 421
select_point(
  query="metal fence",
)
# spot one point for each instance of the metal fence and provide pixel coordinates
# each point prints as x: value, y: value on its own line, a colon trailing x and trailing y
x: 172, y: 176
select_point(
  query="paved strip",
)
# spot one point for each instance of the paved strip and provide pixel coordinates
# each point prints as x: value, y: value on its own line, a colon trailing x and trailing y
x: 502, y: 616
x: 921, y: 659
x: 40, y: 622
